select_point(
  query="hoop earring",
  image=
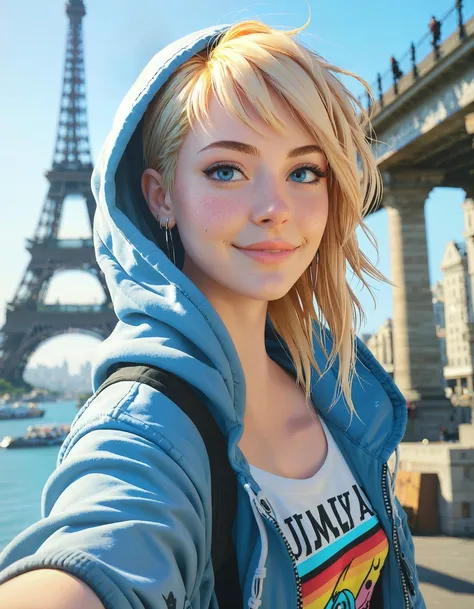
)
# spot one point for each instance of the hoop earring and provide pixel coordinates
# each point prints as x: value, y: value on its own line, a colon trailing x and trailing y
x: 169, y: 240
x: 315, y: 276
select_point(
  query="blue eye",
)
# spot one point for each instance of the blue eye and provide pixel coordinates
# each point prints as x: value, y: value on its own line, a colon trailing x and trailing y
x: 224, y: 172
x: 302, y: 173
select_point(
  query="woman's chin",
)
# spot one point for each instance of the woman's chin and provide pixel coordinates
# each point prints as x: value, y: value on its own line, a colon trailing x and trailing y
x: 266, y: 292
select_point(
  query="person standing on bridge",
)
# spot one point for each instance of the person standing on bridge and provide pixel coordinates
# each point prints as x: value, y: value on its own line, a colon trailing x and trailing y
x: 229, y: 192
x: 396, y: 73
x: 435, y: 29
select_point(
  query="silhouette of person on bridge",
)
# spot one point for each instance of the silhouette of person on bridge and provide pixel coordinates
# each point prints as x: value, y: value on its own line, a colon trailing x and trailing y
x: 397, y: 73
x: 435, y: 29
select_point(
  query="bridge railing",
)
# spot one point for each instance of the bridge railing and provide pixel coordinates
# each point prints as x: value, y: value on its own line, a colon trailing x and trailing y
x: 420, y: 57
x: 62, y: 308
x: 72, y: 308
x: 74, y: 243
x: 60, y: 243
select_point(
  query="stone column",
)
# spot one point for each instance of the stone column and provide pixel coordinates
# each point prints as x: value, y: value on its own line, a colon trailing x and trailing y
x: 417, y: 358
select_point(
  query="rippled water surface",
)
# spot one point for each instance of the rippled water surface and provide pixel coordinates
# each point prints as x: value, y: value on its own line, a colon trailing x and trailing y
x: 24, y: 471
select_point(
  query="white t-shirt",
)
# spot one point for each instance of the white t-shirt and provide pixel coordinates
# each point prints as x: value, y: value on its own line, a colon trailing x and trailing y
x: 334, y: 534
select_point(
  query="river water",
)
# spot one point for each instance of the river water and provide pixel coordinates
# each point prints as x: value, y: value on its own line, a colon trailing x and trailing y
x: 24, y: 471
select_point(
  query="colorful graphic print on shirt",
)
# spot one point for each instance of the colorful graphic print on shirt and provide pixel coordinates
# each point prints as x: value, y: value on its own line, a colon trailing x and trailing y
x: 340, y: 549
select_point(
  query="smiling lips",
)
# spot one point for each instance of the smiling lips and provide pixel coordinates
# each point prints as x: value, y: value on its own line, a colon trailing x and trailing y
x: 269, y: 252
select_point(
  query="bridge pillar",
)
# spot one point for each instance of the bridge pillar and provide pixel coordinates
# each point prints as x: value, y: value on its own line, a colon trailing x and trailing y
x: 417, y: 357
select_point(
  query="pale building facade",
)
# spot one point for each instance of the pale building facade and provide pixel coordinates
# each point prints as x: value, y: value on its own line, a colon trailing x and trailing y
x: 458, y: 270
x: 381, y: 342
x: 381, y: 345
x: 437, y: 292
x: 458, y: 370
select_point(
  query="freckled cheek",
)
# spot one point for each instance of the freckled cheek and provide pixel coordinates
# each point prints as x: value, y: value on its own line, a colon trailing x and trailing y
x: 216, y: 216
x: 313, y: 214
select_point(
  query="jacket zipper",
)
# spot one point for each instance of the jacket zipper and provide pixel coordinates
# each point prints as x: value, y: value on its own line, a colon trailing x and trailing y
x: 396, y: 544
x: 268, y: 514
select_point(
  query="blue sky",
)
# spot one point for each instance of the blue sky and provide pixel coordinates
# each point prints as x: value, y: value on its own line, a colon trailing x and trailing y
x: 120, y: 36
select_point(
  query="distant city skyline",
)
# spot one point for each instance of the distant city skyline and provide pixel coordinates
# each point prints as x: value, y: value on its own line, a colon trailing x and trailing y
x: 347, y: 34
x: 60, y: 377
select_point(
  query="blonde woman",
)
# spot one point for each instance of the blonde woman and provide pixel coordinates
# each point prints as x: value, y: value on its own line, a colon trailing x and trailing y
x: 228, y: 195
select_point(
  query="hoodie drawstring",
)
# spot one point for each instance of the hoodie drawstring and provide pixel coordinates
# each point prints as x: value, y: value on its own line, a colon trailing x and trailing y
x: 392, y: 485
x: 255, y: 599
x: 397, y: 465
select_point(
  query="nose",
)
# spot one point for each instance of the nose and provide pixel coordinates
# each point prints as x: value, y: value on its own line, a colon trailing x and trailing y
x: 271, y: 208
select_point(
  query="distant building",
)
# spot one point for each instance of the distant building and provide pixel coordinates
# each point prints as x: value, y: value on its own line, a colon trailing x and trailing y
x: 437, y: 291
x: 458, y: 272
x: 381, y: 345
x: 59, y: 378
x: 458, y: 370
x: 381, y: 342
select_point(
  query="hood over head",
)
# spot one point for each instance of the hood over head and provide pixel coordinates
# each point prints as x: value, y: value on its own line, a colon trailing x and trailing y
x: 163, y: 319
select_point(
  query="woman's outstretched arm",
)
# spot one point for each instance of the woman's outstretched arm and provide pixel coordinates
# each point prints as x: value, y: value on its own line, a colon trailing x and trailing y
x: 47, y: 589
x: 127, y: 512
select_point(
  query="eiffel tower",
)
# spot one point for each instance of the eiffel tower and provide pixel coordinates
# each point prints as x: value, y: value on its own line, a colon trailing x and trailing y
x: 29, y: 321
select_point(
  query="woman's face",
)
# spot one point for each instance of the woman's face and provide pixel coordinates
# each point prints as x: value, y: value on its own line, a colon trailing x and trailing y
x: 227, y: 197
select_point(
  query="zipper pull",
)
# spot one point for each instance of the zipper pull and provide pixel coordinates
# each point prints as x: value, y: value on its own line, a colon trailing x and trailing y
x: 263, y: 502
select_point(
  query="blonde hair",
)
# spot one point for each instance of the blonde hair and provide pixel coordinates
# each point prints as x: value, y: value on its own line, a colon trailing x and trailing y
x: 249, y: 60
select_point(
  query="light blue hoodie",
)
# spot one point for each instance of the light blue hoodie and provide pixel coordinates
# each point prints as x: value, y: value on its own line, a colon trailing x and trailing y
x: 128, y: 508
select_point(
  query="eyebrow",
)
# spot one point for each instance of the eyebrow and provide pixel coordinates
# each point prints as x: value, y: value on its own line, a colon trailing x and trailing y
x: 248, y: 149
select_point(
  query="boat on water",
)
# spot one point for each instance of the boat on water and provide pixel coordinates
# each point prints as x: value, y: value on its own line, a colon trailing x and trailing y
x: 19, y: 410
x: 38, y: 435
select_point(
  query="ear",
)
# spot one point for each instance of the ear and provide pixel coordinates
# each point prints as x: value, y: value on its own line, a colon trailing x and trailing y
x: 157, y: 199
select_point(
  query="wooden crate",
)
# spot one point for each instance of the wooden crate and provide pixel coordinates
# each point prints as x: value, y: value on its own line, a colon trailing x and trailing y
x: 418, y: 494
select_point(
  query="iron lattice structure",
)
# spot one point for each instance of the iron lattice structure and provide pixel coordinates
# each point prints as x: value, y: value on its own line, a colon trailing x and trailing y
x: 29, y: 321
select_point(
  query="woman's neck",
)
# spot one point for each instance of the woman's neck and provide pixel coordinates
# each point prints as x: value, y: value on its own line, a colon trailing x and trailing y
x: 245, y: 321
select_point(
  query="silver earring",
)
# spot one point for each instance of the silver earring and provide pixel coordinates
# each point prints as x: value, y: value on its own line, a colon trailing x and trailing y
x: 315, y: 276
x: 169, y: 240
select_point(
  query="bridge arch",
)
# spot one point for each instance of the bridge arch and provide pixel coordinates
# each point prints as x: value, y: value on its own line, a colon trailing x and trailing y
x: 47, y: 334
